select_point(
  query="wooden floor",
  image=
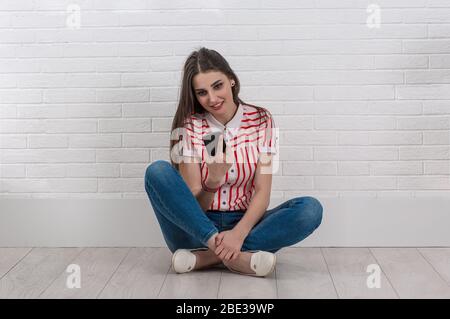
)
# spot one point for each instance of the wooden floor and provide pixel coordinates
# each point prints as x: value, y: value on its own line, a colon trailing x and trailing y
x: 300, y: 273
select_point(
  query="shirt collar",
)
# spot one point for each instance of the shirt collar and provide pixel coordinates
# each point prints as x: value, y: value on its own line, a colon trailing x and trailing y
x: 234, y: 123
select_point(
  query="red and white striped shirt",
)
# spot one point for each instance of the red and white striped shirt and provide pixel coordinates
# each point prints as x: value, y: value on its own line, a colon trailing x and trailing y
x: 247, y: 135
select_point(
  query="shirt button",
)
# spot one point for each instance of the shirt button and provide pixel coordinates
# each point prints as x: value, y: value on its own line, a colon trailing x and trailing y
x: 224, y: 203
x: 224, y: 192
x: 232, y: 171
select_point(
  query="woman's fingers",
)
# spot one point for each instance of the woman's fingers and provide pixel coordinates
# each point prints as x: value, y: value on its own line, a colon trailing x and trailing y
x: 228, y: 255
x: 218, y: 250
x: 220, y: 144
x: 219, y: 151
x: 219, y: 240
x: 208, y: 159
x: 218, y: 154
x: 223, y: 254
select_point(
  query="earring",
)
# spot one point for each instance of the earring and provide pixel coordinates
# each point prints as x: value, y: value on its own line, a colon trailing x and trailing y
x: 232, y: 83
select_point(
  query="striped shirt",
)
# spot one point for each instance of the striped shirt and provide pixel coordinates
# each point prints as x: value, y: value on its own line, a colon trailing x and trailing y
x: 247, y: 135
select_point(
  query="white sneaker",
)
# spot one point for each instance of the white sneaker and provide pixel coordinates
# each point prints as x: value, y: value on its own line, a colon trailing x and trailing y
x: 183, y: 260
x: 262, y: 263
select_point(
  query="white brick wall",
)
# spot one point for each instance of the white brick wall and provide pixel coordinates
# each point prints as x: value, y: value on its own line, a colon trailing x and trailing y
x: 361, y: 111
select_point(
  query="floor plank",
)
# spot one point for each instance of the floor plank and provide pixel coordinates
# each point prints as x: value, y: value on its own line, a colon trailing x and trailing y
x: 97, y: 265
x: 141, y: 274
x: 348, y: 268
x: 9, y: 257
x: 202, y: 284
x: 439, y: 258
x: 35, y: 272
x: 233, y: 285
x: 302, y: 273
x: 410, y: 274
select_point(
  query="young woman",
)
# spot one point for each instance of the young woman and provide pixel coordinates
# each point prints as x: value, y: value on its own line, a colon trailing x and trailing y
x: 211, y: 201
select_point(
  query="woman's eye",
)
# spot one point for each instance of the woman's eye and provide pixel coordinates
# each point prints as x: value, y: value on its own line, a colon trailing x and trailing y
x: 218, y: 86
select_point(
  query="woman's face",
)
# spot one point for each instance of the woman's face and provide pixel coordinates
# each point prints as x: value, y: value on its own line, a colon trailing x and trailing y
x: 213, y: 92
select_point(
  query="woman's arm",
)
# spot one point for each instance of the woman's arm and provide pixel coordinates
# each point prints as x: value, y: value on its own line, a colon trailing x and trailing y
x: 229, y: 242
x: 260, y: 200
x: 192, y: 176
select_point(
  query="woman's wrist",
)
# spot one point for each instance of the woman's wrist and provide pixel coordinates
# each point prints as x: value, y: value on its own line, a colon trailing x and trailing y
x: 210, y: 186
x: 242, y: 230
x: 213, y: 183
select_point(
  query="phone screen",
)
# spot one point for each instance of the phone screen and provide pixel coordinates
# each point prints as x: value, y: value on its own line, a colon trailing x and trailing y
x: 211, y: 142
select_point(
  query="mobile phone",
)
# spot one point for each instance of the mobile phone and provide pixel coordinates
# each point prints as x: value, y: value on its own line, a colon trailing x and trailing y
x: 211, y: 142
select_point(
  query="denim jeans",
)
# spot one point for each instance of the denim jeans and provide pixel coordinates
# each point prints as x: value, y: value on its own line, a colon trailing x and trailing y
x: 184, y: 224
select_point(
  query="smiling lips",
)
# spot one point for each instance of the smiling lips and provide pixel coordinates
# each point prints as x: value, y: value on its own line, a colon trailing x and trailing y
x: 217, y: 106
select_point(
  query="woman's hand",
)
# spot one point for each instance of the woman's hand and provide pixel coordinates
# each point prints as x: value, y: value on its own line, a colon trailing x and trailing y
x: 229, y: 244
x: 218, y: 165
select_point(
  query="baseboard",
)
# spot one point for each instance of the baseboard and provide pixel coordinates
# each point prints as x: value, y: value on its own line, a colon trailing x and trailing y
x: 347, y: 222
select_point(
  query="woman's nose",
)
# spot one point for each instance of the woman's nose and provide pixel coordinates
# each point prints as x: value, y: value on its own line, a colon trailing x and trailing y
x: 213, y: 98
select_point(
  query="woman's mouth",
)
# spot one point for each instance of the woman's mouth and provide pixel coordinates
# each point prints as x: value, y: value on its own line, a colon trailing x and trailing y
x: 217, y: 106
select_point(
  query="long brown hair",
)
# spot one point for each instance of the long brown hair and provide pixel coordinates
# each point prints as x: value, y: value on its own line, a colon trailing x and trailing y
x: 201, y: 61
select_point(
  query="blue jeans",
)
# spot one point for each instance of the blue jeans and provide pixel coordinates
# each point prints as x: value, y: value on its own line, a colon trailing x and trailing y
x: 184, y: 224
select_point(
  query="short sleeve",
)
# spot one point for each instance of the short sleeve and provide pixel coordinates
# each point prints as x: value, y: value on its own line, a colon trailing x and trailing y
x: 268, y: 136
